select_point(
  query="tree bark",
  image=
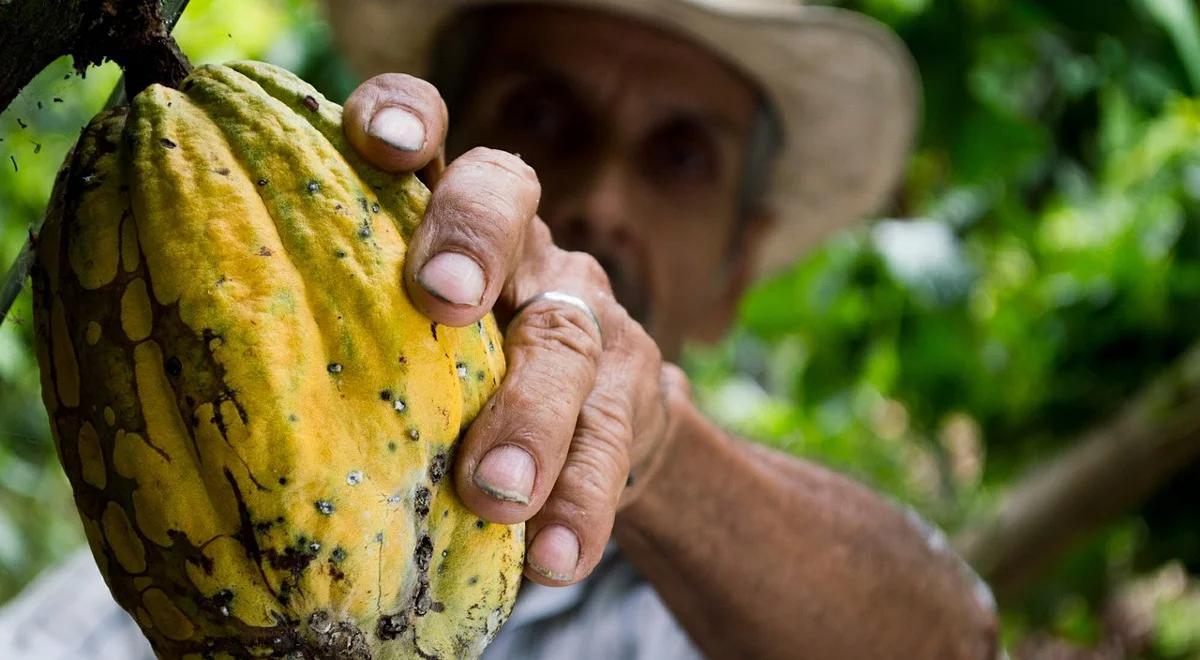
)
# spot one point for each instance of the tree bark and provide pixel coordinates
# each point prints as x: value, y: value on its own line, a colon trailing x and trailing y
x: 1109, y: 471
x: 34, y: 33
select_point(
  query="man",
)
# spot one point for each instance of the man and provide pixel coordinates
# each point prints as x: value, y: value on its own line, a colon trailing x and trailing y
x: 683, y: 147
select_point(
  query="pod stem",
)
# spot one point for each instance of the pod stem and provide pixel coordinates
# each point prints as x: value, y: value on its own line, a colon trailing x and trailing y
x: 134, y: 35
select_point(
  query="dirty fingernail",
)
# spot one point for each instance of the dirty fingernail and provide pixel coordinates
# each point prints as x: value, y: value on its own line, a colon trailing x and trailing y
x: 554, y: 553
x: 506, y: 473
x: 397, y: 127
x: 453, y: 278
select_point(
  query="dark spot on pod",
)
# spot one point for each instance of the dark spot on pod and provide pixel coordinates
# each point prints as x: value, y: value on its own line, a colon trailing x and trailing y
x: 385, y: 395
x: 391, y: 627
x: 319, y: 623
x: 264, y: 251
x: 313, y: 186
x: 338, y: 554
x: 262, y: 182
x: 422, y: 601
x: 479, y: 376
x: 461, y: 369
x: 293, y: 418
x: 421, y: 502
x: 311, y: 103
x: 433, y: 330
x: 479, y: 524
x: 364, y: 231
x: 437, y: 606
x: 57, y: 100
x: 334, y: 368
x: 340, y: 254
x: 392, y: 446
x: 324, y: 507
x: 223, y: 171
x: 445, y: 553
x: 282, y: 481
x: 437, y: 469
x: 362, y: 201
x: 279, y: 520
x: 375, y: 207
x: 187, y: 84
x: 21, y: 123
x: 174, y: 367
x: 314, y: 547
x: 414, y: 433
x: 403, y: 360
x: 445, y: 513
x: 423, y: 552
x: 473, y: 580
x: 37, y: 147
x: 220, y: 601
x: 263, y: 527
x: 166, y: 143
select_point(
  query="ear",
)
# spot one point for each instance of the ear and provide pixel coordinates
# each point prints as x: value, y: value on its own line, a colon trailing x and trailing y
x: 739, y: 272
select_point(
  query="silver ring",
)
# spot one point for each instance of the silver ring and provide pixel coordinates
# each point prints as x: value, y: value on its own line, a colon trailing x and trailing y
x: 565, y: 298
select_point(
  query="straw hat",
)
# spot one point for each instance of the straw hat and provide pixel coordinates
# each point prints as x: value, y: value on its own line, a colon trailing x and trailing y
x: 843, y: 86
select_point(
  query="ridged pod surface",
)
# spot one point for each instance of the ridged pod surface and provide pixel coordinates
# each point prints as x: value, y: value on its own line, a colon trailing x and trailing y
x: 257, y: 424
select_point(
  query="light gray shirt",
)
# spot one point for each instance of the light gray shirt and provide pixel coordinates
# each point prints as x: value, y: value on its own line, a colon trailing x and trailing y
x: 68, y: 614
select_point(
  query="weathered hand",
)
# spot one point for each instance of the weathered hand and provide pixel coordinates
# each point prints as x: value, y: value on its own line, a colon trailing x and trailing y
x: 582, y: 407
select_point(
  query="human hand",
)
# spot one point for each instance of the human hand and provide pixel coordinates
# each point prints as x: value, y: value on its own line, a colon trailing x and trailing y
x: 585, y: 402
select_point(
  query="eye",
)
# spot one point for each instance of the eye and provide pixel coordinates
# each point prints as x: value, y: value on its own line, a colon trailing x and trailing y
x: 536, y: 111
x: 681, y: 152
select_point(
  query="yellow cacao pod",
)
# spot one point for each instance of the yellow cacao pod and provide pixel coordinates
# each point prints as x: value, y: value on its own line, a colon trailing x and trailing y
x: 257, y: 424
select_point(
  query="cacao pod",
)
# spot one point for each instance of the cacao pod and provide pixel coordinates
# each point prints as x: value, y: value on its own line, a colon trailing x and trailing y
x: 257, y: 424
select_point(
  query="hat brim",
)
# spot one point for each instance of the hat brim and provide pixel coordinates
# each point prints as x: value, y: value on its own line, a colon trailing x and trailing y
x: 844, y: 87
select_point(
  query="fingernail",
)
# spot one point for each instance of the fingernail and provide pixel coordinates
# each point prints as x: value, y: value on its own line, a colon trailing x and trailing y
x: 397, y: 127
x: 506, y: 473
x: 453, y: 278
x: 554, y: 553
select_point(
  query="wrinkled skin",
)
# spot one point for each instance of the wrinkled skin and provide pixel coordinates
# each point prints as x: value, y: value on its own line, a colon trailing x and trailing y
x: 630, y: 144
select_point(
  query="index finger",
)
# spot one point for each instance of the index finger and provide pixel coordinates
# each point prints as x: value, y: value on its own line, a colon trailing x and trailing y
x: 396, y: 122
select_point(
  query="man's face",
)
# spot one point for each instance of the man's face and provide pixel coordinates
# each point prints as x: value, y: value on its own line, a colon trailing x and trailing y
x: 638, y: 139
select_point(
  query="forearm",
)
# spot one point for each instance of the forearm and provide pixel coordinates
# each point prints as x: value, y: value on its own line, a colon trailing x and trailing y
x: 759, y: 555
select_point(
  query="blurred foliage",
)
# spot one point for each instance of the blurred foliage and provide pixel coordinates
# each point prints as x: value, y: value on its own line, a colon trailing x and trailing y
x: 1041, y: 263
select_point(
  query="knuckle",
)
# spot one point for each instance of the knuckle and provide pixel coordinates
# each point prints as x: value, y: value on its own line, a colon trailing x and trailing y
x: 504, y: 160
x: 558, y: 328
x: 595, y: 474
x: 606, y: 420
x: 403, y: 83
x: 478, y: 218
x: 587, y: 267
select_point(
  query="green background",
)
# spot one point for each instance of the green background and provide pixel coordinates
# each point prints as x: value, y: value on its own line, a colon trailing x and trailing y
x: 1039, y: 267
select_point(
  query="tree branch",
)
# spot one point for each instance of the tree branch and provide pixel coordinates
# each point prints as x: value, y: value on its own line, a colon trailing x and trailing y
x: 34, y: 33
x: 1110, y: 470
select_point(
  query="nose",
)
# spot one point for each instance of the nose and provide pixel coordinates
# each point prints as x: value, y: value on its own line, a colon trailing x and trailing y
x: 599, y: 215
x: 595, y: 215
